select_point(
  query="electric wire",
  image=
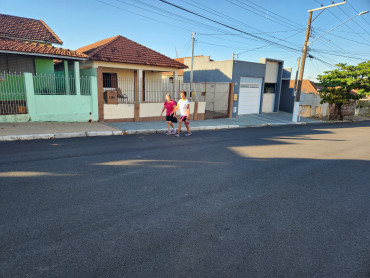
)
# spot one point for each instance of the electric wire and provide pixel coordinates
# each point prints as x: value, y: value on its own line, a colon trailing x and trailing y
x: 228, y: 26
x: 242, y: 6
x: 358, y: 12
x: 354, y: 21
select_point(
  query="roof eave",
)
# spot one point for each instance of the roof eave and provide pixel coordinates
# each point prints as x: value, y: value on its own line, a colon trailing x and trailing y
x: 44, y: 55
x: 30, y: 40
x: 145, y: 64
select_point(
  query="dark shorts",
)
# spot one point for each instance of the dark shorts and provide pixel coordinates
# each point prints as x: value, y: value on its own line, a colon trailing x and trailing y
x: 171, y: 119
x: 183, y: 118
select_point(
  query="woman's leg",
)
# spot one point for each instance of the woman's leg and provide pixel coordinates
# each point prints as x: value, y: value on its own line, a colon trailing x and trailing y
x: 168, y: 125
x: 179, y: 127
x: 187, y: 127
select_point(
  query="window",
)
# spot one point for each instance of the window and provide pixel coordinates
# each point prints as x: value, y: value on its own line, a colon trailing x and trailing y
x: 110, y: 80
x: 17, y: 63
x: 269, y: 88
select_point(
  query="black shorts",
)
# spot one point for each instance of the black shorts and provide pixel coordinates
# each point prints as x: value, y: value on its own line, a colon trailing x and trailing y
x: 171, y: 119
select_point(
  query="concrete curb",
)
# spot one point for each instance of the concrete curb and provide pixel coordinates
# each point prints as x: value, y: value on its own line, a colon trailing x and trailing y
x: 147, y: 131
x: 25, y: 137
x: 8, y: 138
x: 117, y: 132
x: 69, y: 135
x: 35, y: 136
x: 99, y: 133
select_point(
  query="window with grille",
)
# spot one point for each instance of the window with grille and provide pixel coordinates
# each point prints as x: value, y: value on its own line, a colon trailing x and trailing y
x: 110, y: 80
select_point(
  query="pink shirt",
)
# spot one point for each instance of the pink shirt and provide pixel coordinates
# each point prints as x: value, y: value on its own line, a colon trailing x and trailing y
x: 169, y: 106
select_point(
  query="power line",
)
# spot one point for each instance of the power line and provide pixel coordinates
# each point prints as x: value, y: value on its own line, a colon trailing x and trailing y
x: 336, y: 54
x: 156, y: 20
x: 333, y: 46
x: 279, y: 16
x: 256, y: 13
x: 259, y: 33
x: 224, y: 16
x: 354, y: 21
x: 167, y: 14
x: 323, y: 61
x: 331, y: 34
x: 264, y: 45
x: 228, y: 26
x: 358, y: 13
x: 341, y: 21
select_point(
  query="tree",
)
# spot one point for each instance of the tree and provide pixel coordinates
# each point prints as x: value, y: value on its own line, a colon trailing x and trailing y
x: 344, y: 84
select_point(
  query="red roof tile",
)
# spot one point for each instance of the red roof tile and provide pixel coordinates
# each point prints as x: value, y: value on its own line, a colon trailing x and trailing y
x: 18, y: 46
x: 307, y: 86
x: 119, y: 49
x: 26, y: 29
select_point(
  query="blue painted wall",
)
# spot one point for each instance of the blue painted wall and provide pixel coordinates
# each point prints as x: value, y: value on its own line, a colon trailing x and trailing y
x: 246, y: 69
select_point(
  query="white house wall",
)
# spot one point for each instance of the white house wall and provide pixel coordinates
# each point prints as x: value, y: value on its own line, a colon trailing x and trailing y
x: 207, y: 70
x: 118, y: 111
x: 272, y: 70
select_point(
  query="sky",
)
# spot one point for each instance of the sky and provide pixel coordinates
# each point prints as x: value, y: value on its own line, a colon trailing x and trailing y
x: 251, y: 29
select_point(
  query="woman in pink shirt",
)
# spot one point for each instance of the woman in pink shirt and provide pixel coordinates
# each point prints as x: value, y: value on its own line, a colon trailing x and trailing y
x: 169, y: 105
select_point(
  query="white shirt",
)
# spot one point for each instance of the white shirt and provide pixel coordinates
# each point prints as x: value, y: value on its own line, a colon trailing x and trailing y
x: 183, y: 107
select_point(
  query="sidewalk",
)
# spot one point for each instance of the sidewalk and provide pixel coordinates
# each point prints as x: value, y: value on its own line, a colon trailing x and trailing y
x: 52, y: 130
x: 255, y: 120
x: 55, y: 130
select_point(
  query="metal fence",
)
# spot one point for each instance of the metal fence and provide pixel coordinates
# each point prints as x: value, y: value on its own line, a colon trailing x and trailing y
x: 156, y: 90
x: 85, y: 85
x: 52, y: 84
x: 12, y: 94
x: 126, y: 88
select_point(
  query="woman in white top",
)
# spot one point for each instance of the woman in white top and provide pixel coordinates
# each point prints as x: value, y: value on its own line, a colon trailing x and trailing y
x: 183, y: 105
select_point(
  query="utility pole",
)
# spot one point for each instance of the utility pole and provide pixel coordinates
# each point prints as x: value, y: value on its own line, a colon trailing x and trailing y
x: 192, y: 61
x: 296, y: 104
x: 304, y: 54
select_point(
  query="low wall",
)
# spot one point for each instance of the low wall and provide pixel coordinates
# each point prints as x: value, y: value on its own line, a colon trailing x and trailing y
x: 145, y: 111
x: 119, y: 111
x: 310, y: 106
x: 363, y: 107
x: 17, y: 118
x: 61, y: 108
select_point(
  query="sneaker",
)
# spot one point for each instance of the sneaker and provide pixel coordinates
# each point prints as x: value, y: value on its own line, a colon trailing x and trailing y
x: 177, y: 135
x: 188, y: 134
x: 168, y: 133
x: 173, y: 131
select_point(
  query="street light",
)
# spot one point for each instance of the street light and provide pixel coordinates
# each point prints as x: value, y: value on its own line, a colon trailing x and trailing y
x: 361, y: 13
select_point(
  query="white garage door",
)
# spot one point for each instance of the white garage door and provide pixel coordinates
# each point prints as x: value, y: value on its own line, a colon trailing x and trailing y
x: 249, y: 95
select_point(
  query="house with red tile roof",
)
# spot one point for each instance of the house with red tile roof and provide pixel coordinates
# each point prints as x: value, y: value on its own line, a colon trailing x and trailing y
x: 28, y: 77
x: 26, y: 45
x: 130, y: 73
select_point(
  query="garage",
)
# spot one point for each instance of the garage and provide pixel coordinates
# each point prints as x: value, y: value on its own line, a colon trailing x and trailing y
x: 249, y: 95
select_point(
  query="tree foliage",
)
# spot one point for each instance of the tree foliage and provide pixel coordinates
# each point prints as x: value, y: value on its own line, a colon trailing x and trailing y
x: 345, y: 83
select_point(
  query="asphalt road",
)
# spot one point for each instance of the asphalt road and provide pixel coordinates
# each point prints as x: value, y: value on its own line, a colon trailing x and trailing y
x: 291, y: 201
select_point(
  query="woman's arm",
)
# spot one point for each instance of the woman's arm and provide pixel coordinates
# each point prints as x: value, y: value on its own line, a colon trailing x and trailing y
x: 174, y: 110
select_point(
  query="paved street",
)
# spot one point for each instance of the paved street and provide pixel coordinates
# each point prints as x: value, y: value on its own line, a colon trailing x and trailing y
x: 284, y: 201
